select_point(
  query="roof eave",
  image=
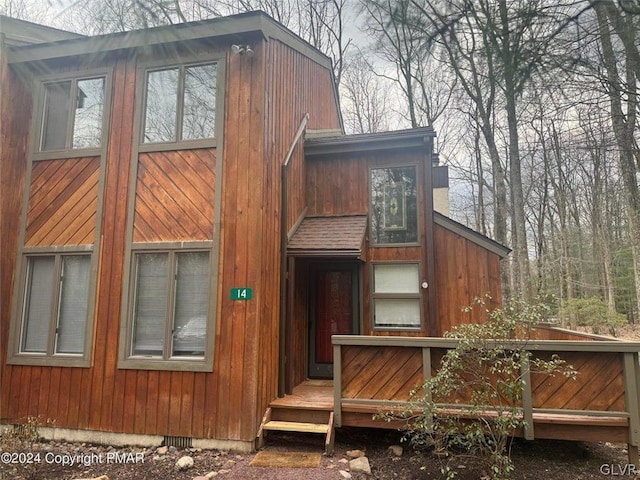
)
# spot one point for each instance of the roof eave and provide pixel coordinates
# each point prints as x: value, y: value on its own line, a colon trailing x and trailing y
x: 475, y: 237
x: 401, y: 139
x: 252, y: 23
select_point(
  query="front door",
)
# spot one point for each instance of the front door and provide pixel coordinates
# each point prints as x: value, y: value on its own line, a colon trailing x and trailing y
x: 334, y: 311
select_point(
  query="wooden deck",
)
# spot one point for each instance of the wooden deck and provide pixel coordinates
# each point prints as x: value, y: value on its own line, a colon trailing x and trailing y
x: 373, y: 373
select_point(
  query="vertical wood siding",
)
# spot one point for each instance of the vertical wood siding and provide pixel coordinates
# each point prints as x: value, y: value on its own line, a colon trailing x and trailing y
x: 266, y: 97
x: 15, y: 105
x: 464, y: 271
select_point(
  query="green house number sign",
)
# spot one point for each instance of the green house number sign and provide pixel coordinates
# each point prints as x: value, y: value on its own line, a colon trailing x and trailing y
x: 242, y: 293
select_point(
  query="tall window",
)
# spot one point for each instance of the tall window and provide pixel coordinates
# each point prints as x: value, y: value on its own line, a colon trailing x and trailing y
x: 55, y: 311
x: 394, y: 205
x: 180, y: 104
x: 170, y: 305
x: 72, y: 115
x: 396, y: 295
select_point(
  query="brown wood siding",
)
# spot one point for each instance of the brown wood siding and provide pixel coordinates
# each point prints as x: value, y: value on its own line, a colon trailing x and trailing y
x: 599, y: 384
x: 464, y: 271
x: 63, y: 200
x: 381, y: 374
x: 15, y: 105
x: 339, y: 185
x: 294, y: 86
x: 175, y: 196
x: 262, y: 114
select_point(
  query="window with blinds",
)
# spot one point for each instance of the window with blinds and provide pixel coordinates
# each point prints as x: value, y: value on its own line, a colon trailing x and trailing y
x: 170, y: 306
x: 396, y: 296
x: 55, y: 314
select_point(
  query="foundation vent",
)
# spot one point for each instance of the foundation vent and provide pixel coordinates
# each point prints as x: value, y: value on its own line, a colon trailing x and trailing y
x: 178, y: 442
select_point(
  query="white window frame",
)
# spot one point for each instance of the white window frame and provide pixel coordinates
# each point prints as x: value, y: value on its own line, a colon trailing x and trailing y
x: 380, y: 295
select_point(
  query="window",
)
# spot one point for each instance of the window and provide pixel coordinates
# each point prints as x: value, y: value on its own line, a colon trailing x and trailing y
x: 56, y: 305
x: 180, y: 104
x: 72, y: 114
x: 396, y: 295
x: 394, y: 205
x: 170, y: 305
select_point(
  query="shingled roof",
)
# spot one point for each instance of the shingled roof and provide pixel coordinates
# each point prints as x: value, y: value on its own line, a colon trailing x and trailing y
x: 335, y: 236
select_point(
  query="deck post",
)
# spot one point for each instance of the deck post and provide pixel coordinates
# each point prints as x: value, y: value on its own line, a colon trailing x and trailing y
x: 337, y: 385
x: 633, y: 407
x: 426, y: 373
x: 527, y: 397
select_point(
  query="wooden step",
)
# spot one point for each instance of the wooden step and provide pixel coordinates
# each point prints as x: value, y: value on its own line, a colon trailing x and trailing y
x: 296, y: 427
x: 268, y: 423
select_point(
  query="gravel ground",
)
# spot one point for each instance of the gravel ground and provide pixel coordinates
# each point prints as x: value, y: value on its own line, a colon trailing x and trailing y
x: 539, y: 460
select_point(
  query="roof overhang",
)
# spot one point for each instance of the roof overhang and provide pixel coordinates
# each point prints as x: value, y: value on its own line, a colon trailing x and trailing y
x: 471, y: 235
x: 234, y: 27
x: 329, y: 236
x: 415, y: 138
x: 20, y: 32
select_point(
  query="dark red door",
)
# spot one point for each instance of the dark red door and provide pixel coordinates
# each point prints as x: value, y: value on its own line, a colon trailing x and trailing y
x: 333, y: 306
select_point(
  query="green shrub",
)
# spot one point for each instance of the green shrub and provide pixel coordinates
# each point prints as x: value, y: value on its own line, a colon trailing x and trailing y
x: 592, y: 312
x: 472, y: 405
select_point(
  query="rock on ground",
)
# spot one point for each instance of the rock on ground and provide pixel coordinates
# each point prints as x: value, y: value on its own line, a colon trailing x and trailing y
x: 360, y: 465
x: 355, y: 453
x: 184, y: 463
x: 396, y: 450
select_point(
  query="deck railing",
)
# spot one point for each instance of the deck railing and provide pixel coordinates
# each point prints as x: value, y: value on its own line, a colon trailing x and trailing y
x: 371, y: 373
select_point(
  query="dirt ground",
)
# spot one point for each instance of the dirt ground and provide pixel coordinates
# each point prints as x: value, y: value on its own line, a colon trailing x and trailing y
x: 537, y: 460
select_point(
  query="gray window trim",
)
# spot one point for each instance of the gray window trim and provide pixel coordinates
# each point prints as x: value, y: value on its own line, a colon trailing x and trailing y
x: 15, y: 355
x: 144, y: 68
x: 401, y: 296
x: 419, y: 220
x: 38, y: 115
x: 196, y: 364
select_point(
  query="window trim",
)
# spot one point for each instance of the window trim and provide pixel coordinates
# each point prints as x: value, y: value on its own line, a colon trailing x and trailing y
x: 126, y: 360
x: 15, y: 355
x: 38, y: 116
x: 419, y: 189
x: 141, y: 107
x: 397, y: 296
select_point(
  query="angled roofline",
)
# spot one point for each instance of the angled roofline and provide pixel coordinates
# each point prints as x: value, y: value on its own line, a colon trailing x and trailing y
x: 21, y: 32
x: 327, y: 145
x: 471, y: 235
x: 238, y: 25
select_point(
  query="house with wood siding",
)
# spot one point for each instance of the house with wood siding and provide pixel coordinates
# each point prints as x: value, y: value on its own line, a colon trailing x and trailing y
x: 191, y: 244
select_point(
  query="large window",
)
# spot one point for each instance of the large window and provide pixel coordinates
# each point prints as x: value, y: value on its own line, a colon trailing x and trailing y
x: 170, y: 305
x: 56, y: 305
x: 394, y: 205
x: 72, y: 114
x: 180, y: 104
x: 396, y: 296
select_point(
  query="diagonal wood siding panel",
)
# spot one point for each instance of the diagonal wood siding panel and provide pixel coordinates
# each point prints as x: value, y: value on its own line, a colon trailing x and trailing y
x: 174, y: 196
x: 599, y: 384
x: 381, y: 374
x: 63, y: 199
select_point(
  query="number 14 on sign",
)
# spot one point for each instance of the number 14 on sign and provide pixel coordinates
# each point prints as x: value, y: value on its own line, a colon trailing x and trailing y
x: 242, y: 293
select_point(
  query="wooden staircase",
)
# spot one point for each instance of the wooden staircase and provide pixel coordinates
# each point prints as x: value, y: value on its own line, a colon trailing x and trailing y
x: 308, y: 410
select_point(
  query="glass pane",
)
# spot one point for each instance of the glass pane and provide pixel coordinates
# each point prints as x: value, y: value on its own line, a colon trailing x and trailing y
x: 199, y: 102
x: 149, y: 320
x: 397, y: 312
x: 397, y: 278
x: 74, y: 296
x: 394, y: 205
x: 55, y: 120
x: 161, y: 107
x: 38, y: 304
x: 87, y: 129
x: 191, y: 304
